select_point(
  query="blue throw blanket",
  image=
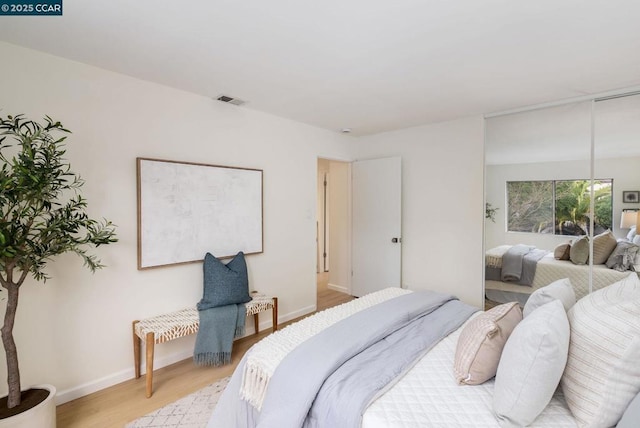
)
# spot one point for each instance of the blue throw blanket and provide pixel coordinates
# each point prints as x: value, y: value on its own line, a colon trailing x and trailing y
x: 218, y: 327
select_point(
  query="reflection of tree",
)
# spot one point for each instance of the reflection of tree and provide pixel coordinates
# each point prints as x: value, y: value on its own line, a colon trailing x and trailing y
x: 531, y: 206
x: 602, y: 207
x: 573, y: 200
x: 572, y: 207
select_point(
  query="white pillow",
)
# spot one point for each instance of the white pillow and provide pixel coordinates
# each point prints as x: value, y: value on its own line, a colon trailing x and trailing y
x: 632, y: 233
x: 603, y: 368
x: 561, y: 290
x: 531, y: 365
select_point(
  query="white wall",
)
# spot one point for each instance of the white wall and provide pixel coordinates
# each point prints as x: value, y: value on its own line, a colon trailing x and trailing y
x: 75, y: 330
x: 625, y: 173
x: 442, y: 200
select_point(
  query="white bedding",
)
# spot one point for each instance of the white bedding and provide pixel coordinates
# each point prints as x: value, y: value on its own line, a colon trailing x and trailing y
x: 428, y: 396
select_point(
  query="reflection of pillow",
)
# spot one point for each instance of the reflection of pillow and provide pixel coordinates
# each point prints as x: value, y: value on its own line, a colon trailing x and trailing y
x: 481, y: 341
x: 602, y: 374
x: 579, y: 253
x: 557, y: 290
x: 224, y: 284
x: 562, y: 251
x: 623, y: 256
x: 531, y: 365
x: 603, y: 245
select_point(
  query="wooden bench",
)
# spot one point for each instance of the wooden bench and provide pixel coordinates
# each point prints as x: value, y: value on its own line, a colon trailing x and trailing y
x: 170, y: 326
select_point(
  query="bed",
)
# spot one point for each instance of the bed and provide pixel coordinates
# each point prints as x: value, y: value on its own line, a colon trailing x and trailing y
x: 327, y: 370
x: 547, y: 270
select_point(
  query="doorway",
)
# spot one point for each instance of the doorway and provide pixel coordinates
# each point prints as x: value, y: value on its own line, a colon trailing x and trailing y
x: 333, y: 227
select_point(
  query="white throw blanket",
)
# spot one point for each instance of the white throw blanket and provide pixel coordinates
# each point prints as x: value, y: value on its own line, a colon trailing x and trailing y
x: 265, y: 356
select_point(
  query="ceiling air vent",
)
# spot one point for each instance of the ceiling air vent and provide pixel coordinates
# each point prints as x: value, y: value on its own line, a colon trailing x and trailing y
x: 230, y: 100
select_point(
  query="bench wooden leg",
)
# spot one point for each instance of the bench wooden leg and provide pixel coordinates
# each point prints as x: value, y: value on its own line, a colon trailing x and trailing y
x: 255, y: 322
x: 274, y: 313
x: 136, y: 350
x: 150, y: 342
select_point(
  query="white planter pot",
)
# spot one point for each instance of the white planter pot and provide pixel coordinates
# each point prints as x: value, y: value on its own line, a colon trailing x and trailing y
x: 42, y: 416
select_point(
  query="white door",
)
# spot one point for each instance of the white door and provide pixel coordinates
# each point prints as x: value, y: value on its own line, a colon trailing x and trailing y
x: 376, y: 216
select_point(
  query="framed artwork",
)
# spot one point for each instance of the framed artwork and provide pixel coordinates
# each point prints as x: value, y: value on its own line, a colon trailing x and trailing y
x: 188, y: 209
x: 631, y: 196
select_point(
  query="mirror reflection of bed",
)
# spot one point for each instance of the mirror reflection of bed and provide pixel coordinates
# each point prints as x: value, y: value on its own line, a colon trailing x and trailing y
x: 513, y: 272
x: 558, y: 149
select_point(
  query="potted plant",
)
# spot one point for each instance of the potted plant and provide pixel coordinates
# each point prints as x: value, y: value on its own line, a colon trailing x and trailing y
x: 42, y: 215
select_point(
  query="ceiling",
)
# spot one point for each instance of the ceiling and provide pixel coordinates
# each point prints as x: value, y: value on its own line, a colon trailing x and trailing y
x: 369, y: 65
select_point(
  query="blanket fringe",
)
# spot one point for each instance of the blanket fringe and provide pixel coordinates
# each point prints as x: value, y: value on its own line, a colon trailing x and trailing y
x: 212, y: 358
x: 240, y: 330
x: 254, y: 385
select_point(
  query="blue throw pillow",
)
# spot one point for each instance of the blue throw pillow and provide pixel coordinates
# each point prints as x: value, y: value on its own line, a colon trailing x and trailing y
x: 224, y: 284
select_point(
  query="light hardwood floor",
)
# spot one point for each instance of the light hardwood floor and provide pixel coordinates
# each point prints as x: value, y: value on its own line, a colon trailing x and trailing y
x: 122, y: 403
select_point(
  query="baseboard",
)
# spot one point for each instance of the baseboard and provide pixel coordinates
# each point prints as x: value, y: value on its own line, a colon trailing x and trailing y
x: 119, y: 377
x: 339, y: 288
x: 296, y: 314
x: 124, y: 375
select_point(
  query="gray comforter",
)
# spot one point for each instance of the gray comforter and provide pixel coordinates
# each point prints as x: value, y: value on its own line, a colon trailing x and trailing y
x: 330, y: 379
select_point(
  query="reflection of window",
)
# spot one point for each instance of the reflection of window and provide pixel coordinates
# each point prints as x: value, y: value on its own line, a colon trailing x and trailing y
x: 559, y: 207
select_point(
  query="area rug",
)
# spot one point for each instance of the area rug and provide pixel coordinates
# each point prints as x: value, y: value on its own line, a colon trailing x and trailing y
x: 192, y: 411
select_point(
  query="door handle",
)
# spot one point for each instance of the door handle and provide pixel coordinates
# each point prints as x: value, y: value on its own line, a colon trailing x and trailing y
x: 396, y: 240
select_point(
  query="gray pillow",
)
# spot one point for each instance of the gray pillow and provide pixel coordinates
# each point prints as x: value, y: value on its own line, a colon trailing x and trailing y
x: 558, y: 290
x: 603, y: 246
x: 562, y: 251
x: 224, y: 284
x: 622, y: 258
x: 579, y: 252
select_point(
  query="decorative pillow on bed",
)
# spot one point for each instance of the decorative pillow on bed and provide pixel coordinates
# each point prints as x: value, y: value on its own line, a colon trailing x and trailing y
x: 562, y: 251
x: 224, y: 284
x: 603, y: 370
x: 623, y: 257
x: 603, y: 246
x: 558, y: 290
x: 531, y: 365
x: 579, y: 253
x: 481, y: 341
x: 632, y: 233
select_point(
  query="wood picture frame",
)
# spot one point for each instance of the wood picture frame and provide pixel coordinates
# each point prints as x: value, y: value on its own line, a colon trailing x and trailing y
x: 187, y: 209
x: 631, y: 196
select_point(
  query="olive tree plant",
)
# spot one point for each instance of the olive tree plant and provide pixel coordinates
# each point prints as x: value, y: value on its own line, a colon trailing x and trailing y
x: 42, y: 215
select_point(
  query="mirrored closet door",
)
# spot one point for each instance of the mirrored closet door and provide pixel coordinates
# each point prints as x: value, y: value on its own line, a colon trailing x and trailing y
x: 617, y: 155
x: 539, y: 195
x: 562, y: 191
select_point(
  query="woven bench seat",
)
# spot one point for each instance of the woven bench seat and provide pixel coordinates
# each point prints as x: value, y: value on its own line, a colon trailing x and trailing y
x: 173, y: 325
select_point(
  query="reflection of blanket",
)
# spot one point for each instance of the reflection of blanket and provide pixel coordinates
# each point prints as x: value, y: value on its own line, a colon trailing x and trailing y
x: 519, y: 264
x: 218, y: 327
